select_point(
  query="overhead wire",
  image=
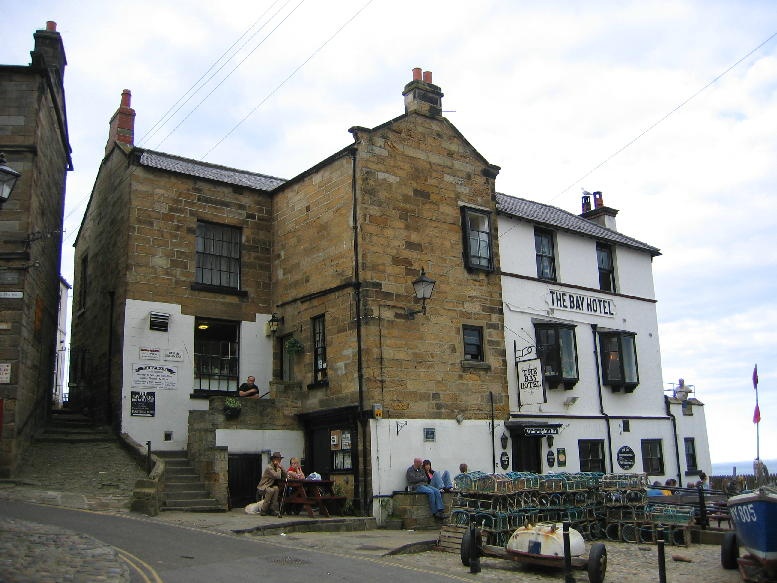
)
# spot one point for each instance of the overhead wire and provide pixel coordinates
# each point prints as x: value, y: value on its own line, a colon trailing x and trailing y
x: 282, y: 83
x: 664, y: 118
x: 175, y: 108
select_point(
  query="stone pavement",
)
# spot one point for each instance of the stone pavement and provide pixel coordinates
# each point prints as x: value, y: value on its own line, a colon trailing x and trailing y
x: 100, y: 477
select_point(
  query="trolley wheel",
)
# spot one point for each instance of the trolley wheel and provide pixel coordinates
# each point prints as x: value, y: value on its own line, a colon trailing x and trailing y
x: 467, y: 544
x: 729, y: 551
x: 597, y: 563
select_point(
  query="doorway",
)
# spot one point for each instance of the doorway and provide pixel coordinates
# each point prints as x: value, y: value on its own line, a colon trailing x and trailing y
x: 527, y: 455
x: 244, y: 473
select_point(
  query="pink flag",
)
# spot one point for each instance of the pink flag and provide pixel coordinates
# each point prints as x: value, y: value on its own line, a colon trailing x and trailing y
x: 756, y: 414
x: 755, y: 377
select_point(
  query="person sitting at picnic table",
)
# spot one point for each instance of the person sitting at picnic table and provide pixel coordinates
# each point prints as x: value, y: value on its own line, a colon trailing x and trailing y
x: 439, y: 480
x: 295, y: 471
x: 418, y: 481
x: 270, y: 484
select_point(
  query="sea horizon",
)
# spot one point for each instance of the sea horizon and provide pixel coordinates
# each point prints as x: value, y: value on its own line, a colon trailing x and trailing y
x: 742, y: 467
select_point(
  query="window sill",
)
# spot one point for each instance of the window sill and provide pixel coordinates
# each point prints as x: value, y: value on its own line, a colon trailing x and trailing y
x: 318, y: 384
x: 219, y: 289
x: 627, y: 388
x: 475, y: 364
x: 201, y: 394
x: 566, y: 384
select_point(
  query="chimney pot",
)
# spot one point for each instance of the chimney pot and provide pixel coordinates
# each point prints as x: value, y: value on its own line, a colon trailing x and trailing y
x: 586, y: 202
x: 126, y: 98
x: 427, y: 76
x: 598, y: 200
x: 417, y: 74
x: 51, y: 26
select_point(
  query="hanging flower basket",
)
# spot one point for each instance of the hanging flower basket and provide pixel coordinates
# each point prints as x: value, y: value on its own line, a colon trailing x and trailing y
x: 293, y: 346
x: 232, y: 407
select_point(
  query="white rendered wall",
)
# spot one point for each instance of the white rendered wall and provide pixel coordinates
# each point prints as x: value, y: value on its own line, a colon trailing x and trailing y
x: 289, y: 443
x: 395, y: 442
x: 173, y: 404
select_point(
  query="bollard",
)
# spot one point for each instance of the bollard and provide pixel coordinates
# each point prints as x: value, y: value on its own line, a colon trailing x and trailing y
x: 474, y: 550
x: 703, y: 521
x: 568, y: 577
x: 661, y: 557
x: 148, y: 457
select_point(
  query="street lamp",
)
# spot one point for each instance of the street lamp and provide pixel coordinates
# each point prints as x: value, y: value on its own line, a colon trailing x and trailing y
x: 423, y: 287
x: 8, y: 178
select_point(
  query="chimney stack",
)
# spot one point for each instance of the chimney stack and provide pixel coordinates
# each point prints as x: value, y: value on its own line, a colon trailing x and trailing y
x: 422, y: 96
x: 600, y: 214
x: 122, y: 124
x: 49, y: 51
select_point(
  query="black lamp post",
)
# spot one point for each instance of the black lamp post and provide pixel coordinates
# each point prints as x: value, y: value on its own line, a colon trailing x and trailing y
x: 423, y: 287
x: 8, y: 178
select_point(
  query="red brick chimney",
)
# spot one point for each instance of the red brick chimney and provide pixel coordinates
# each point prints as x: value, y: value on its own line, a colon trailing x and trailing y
x: 122, y: 124
x: 422, y: 96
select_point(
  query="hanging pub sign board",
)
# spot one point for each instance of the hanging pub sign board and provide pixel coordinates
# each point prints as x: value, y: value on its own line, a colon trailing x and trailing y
x: 142, y: 403
x: 531, y: 390
x: 626, y: 457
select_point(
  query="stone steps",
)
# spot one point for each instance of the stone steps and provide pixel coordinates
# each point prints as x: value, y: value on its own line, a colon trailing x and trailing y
x: 67, y: 427
x: 184, y: 491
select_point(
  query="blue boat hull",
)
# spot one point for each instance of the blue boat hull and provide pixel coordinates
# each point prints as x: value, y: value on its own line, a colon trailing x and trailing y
x: 755, y: 519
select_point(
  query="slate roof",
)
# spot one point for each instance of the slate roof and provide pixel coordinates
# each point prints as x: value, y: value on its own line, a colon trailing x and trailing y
x: 200, y: 169
x: 552, y: 216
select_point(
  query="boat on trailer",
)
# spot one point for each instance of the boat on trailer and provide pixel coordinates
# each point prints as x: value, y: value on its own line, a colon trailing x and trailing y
x: 754, y: 515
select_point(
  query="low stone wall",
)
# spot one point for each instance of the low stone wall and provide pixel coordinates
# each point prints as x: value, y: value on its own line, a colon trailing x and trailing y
x: 148, y: 493
x: 410, y: 511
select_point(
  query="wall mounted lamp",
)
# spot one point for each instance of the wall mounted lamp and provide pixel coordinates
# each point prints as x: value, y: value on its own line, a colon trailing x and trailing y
x: 8, y: 178
x: 550, y: 440
x: 423, y: 287
x: 504, y: 440
x: 274, y: 322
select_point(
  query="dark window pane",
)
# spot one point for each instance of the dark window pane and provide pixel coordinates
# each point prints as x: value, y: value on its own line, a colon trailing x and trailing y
x: 473, y: 343
x: 218, y: 255
x: 546, y: 262
x: 477, y: 239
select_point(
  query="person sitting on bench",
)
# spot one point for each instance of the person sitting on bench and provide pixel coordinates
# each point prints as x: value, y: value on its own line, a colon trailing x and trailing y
x: 417, y: 481
x: 440, y: 480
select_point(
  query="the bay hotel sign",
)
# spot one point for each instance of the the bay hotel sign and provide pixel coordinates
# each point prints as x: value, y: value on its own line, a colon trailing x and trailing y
x: 584, y: 304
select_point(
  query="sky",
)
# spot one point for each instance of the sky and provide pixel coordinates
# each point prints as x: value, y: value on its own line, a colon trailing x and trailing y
x: 668, y: 108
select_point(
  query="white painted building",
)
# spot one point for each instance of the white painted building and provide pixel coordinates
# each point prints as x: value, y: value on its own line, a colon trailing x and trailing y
x: 581, y: 332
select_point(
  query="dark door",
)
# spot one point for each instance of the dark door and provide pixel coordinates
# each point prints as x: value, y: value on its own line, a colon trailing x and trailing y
x: 245, y: 469
x: 527, y: 454
x: 320, y: 453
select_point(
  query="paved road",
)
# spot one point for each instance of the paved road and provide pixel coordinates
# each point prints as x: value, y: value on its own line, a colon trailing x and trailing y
x: 175, y: 554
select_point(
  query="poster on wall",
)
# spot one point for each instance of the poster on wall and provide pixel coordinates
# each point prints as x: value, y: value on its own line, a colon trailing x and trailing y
x: 5, y: 372
x: 334, y: 440
x: 154, y: 376
x: 345, y: 440
x: 142, y: 403
x: 530, y: 386
x: 176, y: 355
x: 148, y: 353
x: 561, y: 456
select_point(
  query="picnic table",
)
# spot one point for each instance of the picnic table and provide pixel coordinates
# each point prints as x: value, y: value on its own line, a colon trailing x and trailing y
x: 306, y: 493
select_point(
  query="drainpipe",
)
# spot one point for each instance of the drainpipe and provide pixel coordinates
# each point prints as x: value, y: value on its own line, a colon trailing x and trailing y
x: 676, y: 441
x: 594, y: 328
x: 108, y: 404
x: 359, y: 362
x: 493, y: 445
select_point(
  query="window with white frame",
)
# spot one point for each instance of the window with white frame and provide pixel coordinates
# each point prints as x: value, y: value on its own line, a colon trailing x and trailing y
x: 478, y: 253
x: 546, y: 257
x: 557, y: 350
x: 619, y: 360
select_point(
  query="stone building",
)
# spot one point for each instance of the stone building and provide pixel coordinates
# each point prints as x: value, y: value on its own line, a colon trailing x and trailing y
x: 34, y: 138
x: 190, y: 277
